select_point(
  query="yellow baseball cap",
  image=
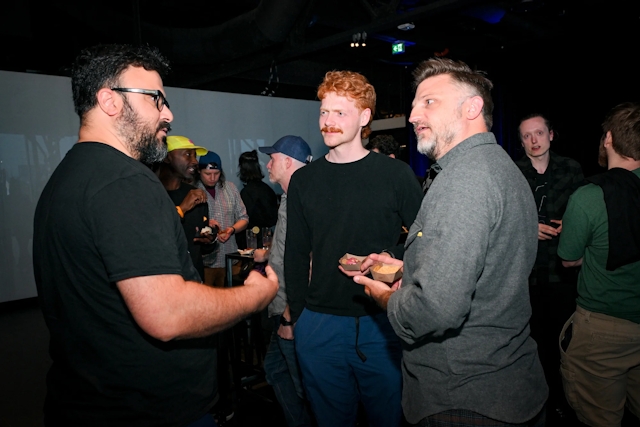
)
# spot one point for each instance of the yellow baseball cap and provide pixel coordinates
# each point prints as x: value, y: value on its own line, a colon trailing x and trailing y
x: 182, y: 142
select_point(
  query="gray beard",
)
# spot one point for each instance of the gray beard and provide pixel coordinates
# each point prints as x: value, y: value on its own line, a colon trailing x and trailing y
x: 152, y: 152
x: 428, y: 149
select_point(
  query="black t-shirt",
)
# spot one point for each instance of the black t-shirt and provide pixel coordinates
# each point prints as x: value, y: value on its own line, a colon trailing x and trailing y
x: 194, y: 221
x: 337, y: 208
x: 104, y: 217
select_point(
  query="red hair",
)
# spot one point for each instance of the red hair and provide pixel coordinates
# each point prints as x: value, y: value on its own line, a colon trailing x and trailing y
x: 354, y: 86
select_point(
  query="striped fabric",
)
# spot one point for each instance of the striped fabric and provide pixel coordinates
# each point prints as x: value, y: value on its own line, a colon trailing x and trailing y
x: 227, y: 208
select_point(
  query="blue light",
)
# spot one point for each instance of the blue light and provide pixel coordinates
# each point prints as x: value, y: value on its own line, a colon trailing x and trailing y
x: 489, y: 14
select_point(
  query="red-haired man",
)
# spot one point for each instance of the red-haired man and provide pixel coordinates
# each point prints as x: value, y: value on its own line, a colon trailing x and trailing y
x: 351, y: 201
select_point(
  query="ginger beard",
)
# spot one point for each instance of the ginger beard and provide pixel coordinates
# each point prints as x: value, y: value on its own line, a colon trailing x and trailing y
x: 141, y: 138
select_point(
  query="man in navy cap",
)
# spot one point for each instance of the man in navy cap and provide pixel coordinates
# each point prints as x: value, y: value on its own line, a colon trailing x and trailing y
x: 227, y: 212
x: 288, y: 154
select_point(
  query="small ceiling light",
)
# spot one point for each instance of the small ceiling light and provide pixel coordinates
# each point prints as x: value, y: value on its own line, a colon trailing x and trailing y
x: 357, y: 38
x: 406, y: 26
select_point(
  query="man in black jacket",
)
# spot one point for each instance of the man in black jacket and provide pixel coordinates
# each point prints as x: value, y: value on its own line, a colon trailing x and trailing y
x: 552, y: 179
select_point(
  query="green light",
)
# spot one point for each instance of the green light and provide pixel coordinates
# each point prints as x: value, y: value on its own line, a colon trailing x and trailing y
x: 397, y: 47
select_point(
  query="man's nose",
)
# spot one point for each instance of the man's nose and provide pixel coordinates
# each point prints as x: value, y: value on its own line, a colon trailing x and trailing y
x: 412, y: 118
x: 329, y: 120
x: 166, y: 114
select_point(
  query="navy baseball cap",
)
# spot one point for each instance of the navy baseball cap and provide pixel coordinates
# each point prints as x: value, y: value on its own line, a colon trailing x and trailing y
x: 292, y: 146
x: 210, y: 161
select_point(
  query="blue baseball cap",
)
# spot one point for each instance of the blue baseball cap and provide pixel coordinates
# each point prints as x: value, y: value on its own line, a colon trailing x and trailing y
x: 210, y: 161
x: 292, y: 146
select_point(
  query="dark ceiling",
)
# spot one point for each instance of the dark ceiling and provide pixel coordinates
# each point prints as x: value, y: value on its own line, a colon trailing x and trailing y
x: 233, y: 45
x: 571, y: 56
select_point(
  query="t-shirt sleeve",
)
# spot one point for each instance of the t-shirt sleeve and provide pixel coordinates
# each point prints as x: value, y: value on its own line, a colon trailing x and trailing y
x: 409, y: 195
x: 576, y: 231
x: 135, y: 224
x: 296, y: 251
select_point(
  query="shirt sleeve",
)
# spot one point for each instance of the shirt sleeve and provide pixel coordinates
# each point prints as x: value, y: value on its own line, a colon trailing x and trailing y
x: 239, y: 209
x: 297, y: 251
x: 456, y: 228
x: 576, y: 230
x: 135, y: 226
x: 409, y: 196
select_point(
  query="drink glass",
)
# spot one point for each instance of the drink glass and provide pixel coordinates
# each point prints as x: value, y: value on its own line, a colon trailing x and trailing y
x: 267, y: 237
x: 252, y: 239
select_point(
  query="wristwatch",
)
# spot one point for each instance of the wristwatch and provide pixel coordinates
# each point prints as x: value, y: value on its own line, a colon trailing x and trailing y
x: 285, y: 322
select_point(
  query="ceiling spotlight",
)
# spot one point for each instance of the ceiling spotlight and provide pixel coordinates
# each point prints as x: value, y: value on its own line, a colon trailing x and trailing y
x: 357, y: 38
x: 406, y: 26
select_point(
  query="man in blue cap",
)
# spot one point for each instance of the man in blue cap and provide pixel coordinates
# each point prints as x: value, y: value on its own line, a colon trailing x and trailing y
x: 227, y: 212
x: 288, y: 154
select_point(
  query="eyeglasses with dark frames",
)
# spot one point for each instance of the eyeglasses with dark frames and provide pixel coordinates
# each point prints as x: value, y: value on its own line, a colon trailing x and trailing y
x: 157, y: 96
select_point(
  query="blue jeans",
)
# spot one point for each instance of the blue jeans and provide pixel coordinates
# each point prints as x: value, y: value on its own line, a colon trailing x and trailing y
x: 282, y: 373
x: 330, y: 352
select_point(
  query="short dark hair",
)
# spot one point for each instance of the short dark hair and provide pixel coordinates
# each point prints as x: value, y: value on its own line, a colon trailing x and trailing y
x: 101, y: 66
x: 623, y: 121
x: 249, y: 167
x: 460, y: 73
x: 386, y: 144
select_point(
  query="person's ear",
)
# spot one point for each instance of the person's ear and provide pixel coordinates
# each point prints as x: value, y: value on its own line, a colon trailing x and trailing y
x: 365, y: 117
x: 608, y: 139
x: 473, y: 107
x: 110, y: 103
x: 550, y: 135
x: 288, y: 162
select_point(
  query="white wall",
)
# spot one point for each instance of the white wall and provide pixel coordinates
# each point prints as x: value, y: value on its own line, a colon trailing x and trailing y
x: 38, y: 126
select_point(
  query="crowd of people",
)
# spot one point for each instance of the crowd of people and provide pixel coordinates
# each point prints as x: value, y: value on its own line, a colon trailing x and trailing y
x: 518, y: 302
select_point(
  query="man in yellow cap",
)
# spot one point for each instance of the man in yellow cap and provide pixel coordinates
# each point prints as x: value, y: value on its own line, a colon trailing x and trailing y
x: 177, y: 167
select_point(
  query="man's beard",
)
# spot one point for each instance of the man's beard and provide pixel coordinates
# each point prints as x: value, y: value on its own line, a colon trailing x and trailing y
x: 430, y: 146
x: 603, y: 158
x: 142, y: 142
